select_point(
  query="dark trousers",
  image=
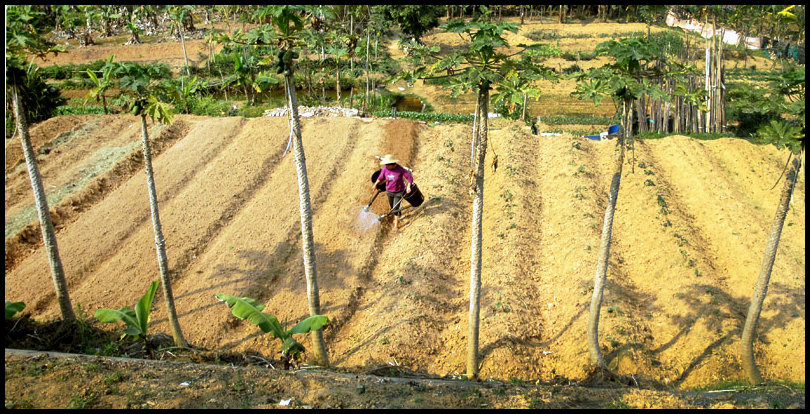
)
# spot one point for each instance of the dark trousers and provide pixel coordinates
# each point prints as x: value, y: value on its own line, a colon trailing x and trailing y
x: 395, y: 199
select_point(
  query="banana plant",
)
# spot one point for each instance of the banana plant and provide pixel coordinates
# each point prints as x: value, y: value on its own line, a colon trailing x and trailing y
x: 244, y: 77
x: 137, y: 319
x: 291, y: 350
x: 102, y: 84
x: 12, y: 308
x: 187, y: 89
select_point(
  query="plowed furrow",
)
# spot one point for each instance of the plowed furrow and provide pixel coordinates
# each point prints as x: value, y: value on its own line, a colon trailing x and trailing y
x: 85, y: 246
x: 514, y: 299
x: 83, y: 197
x: 258, y: 253
x: 414, y: 281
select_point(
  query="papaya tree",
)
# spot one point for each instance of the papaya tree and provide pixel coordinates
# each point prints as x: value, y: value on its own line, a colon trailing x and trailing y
x: 24, y: 38
x: 180, y: 16
x: 147, y: 100
x: 479, y: 65
x: 624, y: 80
x: 788, y: 134
x: 288, y: 24
x: 285, y: 33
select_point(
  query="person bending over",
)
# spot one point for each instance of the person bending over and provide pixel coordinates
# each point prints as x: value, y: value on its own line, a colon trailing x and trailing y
x: 398, y: 182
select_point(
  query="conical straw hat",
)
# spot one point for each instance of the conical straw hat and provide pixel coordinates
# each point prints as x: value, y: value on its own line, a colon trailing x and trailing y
x: 388, y: 159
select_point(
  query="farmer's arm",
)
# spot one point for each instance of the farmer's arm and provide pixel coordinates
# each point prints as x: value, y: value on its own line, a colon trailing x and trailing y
x: 380, y: 178
x: 408, y: 177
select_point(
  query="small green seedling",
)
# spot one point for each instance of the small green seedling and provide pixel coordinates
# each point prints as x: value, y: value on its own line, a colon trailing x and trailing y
x: 291, y: 350
x: 136, y: 319
x: 12, y: 308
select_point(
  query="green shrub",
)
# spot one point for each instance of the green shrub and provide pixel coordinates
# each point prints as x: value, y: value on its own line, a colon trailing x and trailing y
x: 210, y: 106
x: 252, y: 111
x: 576, y: 56
x: 539, y: 35
x: 572, y: 69
x: 39, y: 100
x: 79, y: 110
x: 580, y: 120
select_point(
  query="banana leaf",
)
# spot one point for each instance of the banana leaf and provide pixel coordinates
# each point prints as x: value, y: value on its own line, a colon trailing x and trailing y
x: 136, y: 319
x: 247, y: 308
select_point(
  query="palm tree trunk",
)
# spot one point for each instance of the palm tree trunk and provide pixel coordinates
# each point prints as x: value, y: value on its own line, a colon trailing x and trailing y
x: 163, y: 262
x: 604, y: 245
x: 475, y: 248
x: 761, y: 288
x: 48, y: 232
x: 308, y: 245
x: 525, y: 102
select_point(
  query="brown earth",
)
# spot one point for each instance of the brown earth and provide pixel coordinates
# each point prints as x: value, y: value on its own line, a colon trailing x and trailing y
x: 679, y: 280
x: 81, y: 381
x: 674, y: 303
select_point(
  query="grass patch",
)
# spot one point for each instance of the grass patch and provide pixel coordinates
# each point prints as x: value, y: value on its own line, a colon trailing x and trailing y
x: 80, y: 110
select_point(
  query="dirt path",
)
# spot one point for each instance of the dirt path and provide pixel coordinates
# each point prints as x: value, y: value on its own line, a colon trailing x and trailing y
x: 129, y: 383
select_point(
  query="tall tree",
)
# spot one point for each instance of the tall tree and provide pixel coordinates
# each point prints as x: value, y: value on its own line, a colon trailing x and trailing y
x: 180, y: 16
x: 146, y: 99
x: 625, y: 80
x: 478, y: 66
x: 288, y: 25
x: 788, y: 134
x: 24, y: 38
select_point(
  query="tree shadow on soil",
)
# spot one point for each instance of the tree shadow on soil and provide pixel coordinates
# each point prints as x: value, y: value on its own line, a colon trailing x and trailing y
x: 723, y: 307
x: 263, y: 274
x: 375, y: 337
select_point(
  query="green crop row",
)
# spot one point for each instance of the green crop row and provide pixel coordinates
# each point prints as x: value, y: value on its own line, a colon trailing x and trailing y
x: 426, y: 116
x: 580, y: 120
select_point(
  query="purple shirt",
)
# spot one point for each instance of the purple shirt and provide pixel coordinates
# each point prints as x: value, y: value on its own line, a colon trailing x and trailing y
x: 393, y: 178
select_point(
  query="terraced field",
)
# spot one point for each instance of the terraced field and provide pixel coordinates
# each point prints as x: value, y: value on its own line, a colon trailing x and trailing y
x: 690, y: 229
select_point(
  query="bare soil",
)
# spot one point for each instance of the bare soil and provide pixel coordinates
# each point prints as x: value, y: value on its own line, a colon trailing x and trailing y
x: 690, y: 229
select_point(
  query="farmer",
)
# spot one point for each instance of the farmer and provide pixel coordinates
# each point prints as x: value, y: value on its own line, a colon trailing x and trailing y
x: 395, y: 186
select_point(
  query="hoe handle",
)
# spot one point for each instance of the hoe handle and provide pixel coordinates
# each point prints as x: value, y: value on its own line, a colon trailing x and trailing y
x: 374, y: 197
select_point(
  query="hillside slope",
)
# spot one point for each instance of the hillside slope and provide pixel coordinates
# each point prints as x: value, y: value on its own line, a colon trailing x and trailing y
x: 689, y: 233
